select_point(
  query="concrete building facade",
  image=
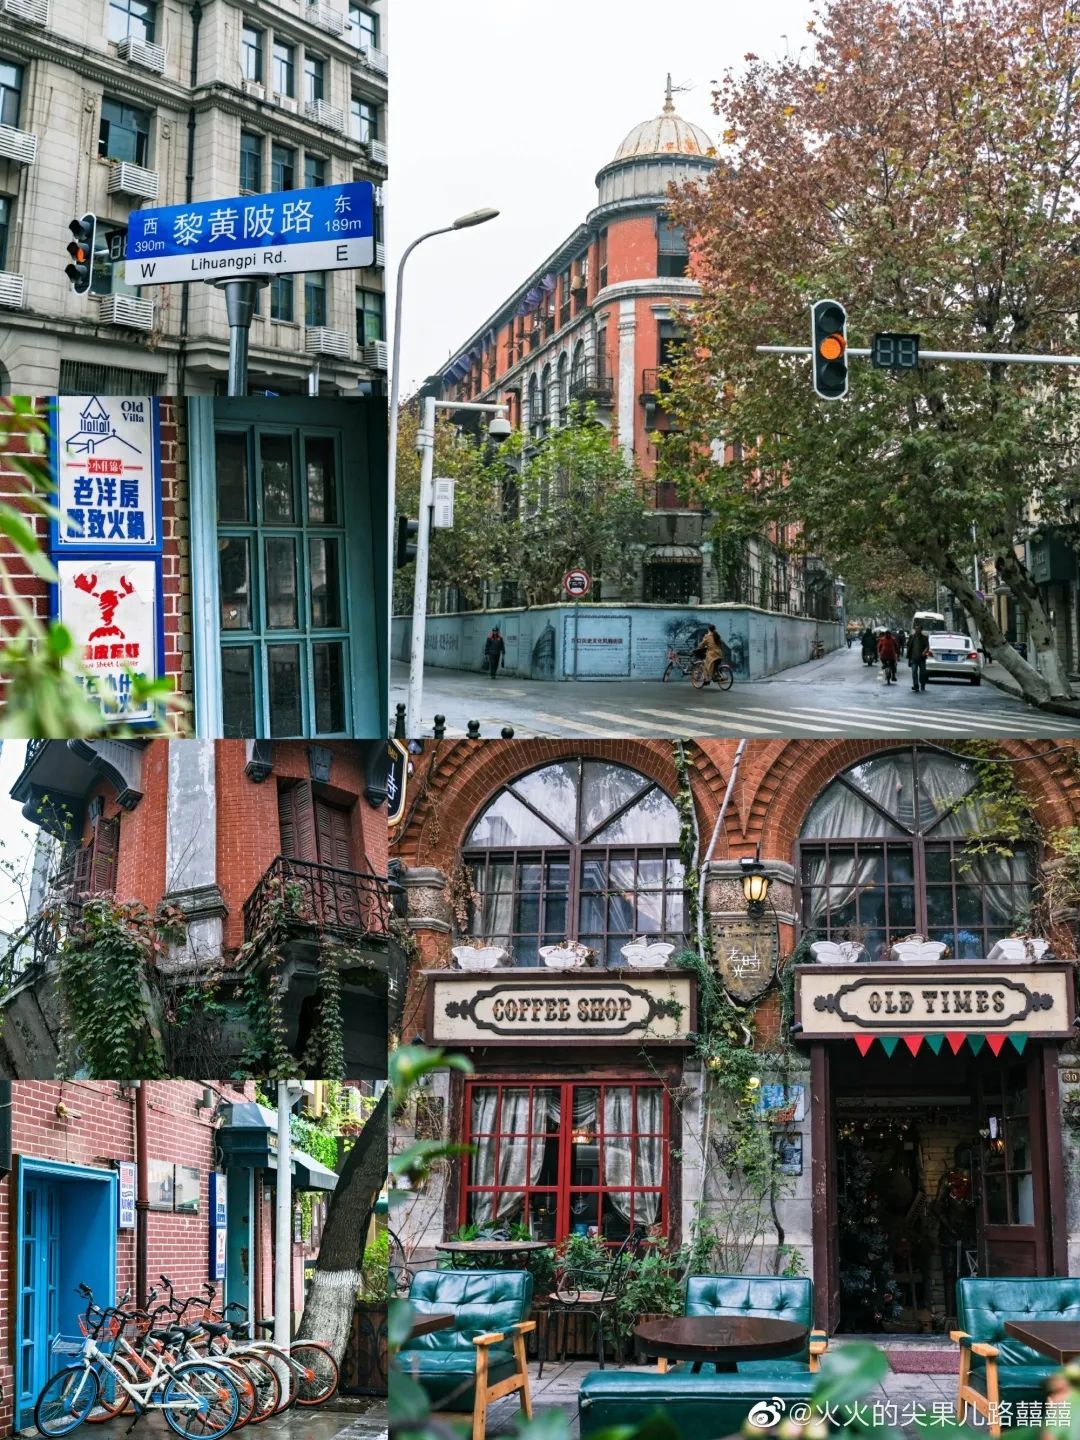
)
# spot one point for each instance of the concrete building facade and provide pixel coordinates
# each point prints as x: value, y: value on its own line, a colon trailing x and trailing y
x: 108, y: 106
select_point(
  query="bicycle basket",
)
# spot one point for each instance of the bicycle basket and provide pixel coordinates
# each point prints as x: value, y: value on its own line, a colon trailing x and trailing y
x: 67, y: 1345
x: 136, y: 1327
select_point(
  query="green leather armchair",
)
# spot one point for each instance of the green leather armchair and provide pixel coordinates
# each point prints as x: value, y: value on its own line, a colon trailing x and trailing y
x: 773, y: 1297
x: 995, y: 1369
x: 481, y: 1357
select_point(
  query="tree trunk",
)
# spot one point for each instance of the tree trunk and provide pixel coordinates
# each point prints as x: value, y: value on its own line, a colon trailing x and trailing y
x: 329, y: 1307
x: 1037, y: 622
x: 1033, y: 685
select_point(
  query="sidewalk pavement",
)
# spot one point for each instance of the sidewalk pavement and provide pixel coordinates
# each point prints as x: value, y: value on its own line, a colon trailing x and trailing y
x: 1000, y: 678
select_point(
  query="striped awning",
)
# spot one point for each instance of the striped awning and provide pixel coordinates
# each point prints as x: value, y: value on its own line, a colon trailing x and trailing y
x: 673, y: 555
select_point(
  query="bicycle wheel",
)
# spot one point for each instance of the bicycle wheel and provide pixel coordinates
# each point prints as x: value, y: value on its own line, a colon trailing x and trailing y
x: 212, y: 1403
x: 284, y: 1368
x: 245, y: 1389
x: 724, y: 677
x: 267, y: 1385
x: 66, y: 1400
x: 670, y: 670
x: 112, y: 1399
x: 697, y: 675
x: 320, y: 1372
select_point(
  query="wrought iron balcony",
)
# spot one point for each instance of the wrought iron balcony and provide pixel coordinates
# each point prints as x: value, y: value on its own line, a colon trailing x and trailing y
x: 319, y: 897
x: 594, y: 384
x: 30, y: 949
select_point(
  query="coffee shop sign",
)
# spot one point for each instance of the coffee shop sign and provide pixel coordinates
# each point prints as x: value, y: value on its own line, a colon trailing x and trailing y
x: 525, y: 1006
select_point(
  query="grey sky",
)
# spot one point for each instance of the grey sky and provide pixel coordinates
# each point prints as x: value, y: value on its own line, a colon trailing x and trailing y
x: 517, y: 105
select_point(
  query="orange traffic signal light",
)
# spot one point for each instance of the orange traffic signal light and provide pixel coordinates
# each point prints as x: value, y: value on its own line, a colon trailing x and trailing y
x: 81, y: 249
x: 829, y: 334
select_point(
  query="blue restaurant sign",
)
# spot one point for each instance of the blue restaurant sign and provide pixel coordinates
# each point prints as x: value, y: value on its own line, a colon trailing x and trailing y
x: 331, y: 227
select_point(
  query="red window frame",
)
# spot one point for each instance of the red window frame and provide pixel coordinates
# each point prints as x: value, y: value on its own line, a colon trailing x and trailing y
x: 561, y: 1191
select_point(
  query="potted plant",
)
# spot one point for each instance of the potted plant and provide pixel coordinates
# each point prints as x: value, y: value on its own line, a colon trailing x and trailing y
x: 364, y: 1367
x: 916, y: 950
x: 1019, y: 948
x: 477, y: 955
x: 645, y: 954
x: 653, y: 1289
x: 567, y: 955
x: 838, y: 952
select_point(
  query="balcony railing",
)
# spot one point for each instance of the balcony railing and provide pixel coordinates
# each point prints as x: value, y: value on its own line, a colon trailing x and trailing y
x: 30, y: 949
x: 654, y: 386
x: 320, y: 896
x: 594, y: 384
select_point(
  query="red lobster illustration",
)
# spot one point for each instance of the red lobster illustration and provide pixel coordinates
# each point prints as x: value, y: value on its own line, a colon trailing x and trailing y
x: 108, y: 600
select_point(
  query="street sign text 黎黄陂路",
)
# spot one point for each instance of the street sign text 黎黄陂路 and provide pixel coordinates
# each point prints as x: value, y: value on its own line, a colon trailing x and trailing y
x: 327, y: 228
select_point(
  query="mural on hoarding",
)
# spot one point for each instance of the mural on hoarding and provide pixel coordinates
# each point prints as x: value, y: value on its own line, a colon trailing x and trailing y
x: 542, y: 664
x: 686, y: 635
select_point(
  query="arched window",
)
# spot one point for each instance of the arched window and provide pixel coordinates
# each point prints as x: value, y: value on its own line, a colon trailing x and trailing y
x: 883, y: 853
x: 564, y: 396
x: 545, y: 392
x: 577, y: 369
x: 534, y: 407
x: 582, y: 849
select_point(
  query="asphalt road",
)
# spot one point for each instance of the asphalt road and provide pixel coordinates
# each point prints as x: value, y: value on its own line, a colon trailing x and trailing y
x: 838, y: 695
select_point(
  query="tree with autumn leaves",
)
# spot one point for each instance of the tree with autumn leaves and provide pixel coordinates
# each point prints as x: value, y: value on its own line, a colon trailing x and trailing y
x: 919, y: 162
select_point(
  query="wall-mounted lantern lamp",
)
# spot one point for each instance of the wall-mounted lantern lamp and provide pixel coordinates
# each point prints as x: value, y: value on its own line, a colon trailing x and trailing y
x: 755, y: 884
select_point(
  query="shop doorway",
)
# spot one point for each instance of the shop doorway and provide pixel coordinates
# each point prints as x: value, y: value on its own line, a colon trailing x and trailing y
x: 65, y: 1236
x: 938, y: 1167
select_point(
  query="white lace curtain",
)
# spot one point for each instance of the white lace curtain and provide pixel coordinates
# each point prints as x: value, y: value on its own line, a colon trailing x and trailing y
x: 520, y: 1157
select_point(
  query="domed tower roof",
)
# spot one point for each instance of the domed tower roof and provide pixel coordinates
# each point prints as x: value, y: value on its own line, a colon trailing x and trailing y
x: 666, y: 134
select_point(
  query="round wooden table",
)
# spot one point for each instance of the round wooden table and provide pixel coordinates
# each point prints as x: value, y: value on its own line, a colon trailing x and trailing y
x: 720, y: 1340
x: 492, y: 1249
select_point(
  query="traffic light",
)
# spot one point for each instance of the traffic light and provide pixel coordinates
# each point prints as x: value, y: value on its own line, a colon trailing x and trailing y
x: 405, y: 550
x: 81, y: 270
x: 829, y: 338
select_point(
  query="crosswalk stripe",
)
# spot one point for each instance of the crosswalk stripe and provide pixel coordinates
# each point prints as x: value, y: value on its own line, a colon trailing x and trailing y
x: 683, y: 721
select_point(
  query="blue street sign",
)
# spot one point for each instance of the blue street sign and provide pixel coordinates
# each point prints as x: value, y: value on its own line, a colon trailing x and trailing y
x: 331, y: 227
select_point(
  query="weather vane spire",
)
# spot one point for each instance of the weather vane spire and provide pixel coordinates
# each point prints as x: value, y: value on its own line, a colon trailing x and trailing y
x: 669, y: 107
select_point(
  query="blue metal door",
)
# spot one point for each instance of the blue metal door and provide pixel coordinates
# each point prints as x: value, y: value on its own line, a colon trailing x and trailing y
x: 38, y: 1292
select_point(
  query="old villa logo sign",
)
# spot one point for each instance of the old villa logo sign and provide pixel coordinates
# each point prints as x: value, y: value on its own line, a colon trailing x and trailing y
x: 526, y: 1005
x: 833, y: 1000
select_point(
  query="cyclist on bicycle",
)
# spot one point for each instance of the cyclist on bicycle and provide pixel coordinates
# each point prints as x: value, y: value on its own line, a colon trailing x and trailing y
x: 711, y: 650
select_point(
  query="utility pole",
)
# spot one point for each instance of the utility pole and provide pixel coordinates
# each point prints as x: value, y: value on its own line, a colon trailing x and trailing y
x: 286, y: 1094
x: 240, y: 300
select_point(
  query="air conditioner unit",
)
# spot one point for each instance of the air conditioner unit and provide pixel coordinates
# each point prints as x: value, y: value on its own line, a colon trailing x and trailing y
x: 324, y: 114
x: 318, y: 340
x: 375, y: 355
x: 12, y: 291
x: 375, y: 59
x: 376, y: 152
x: 380, y: 255
x: 254, y: 89
x: 326, y: 19
x: 128, y: 179
x: 36, y: 12
x: 140, y: 52
x: 128, y: 311
x: 17, y: 145
x: 286, y: 102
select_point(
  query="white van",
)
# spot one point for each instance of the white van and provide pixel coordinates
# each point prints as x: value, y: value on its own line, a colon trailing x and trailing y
x: 930, y: 621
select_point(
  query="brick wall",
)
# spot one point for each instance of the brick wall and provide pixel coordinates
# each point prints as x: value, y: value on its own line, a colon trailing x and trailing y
x: 98, y: 1130
x: 176, y: 584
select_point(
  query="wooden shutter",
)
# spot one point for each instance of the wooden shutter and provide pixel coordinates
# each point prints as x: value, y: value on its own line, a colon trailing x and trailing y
x: 296, y: 819
x: 106, y: 853
x: 333, y: 836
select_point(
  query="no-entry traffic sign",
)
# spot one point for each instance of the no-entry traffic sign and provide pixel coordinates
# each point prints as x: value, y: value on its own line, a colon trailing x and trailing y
x: 330, y: 227
x: 577, y: 583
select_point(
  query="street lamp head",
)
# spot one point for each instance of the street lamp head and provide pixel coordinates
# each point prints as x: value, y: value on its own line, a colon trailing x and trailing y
x: 474, y: 217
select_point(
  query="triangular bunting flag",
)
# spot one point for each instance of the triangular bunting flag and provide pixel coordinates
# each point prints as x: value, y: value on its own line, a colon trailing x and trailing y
x: 995, y: 1042
x: 956, y: 1041
x: 913, y: 1042
x: 1019, y: 1041
x: 976, y: 1042
x: 864, y: 1042
x: 889, y: 1044
x: 935, y: 1042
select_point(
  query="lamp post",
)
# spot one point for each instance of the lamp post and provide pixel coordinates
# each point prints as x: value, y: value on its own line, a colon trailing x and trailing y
x: 499, y: 430
x: 463, y: 222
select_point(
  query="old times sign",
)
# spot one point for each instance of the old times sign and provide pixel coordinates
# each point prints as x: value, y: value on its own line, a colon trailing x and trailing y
x: 519, y: 1006
x: 113, y: 611
x: 837, y: 1000
x: 107, y: 467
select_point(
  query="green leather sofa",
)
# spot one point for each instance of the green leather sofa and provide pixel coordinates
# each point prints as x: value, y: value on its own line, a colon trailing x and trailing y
x: 711, y: 1404
x: 995, y: 1368
x: 773, y: 1297
x: 481, y: 1357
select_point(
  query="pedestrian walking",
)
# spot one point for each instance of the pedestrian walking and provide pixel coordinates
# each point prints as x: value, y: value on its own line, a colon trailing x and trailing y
x: 494, y: 651
x: 888, y: 655
x: 918, y: 648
